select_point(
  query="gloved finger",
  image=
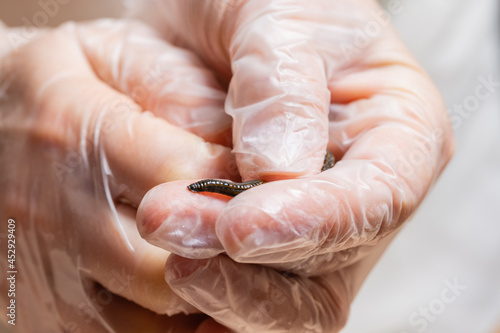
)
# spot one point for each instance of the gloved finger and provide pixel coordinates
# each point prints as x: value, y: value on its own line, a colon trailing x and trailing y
x: 179, y: 221
x: 161, y: 152
x: 106, y: 121
x: 183, y: 223
x: 278, y: 98
x: 321, y: 264
x: 254, y: 298
x: 278, y: 95
x: 169, y: 81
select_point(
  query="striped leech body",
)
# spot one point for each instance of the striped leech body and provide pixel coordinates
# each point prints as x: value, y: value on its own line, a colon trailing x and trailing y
x: 233, y: 189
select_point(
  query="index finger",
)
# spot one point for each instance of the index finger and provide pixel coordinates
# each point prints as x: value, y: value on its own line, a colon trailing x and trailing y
x: 278, y: 96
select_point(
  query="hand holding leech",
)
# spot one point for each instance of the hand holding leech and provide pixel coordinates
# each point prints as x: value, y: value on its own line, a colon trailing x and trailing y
x: 293, y: 91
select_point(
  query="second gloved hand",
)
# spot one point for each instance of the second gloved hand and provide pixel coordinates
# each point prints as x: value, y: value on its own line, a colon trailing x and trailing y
x: 92, y: 116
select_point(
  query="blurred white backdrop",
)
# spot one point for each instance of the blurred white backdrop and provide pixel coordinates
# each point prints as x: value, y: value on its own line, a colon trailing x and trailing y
x: 442, y: 272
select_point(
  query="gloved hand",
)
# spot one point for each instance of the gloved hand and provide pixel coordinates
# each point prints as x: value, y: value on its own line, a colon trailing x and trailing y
x: 90, y: 120
x: 302, y: 77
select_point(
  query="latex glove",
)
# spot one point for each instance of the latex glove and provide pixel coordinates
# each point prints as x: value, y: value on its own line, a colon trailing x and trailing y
x: 78, y: 154
x: 303, y: 77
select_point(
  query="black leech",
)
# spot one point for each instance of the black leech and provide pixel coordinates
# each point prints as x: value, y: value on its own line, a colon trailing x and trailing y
x: 223, y: 186
x: 233, y: 189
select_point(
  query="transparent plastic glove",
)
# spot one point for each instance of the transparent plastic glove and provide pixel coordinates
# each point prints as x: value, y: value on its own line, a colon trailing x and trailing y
x: 304, y: 76
x: 78, y: 152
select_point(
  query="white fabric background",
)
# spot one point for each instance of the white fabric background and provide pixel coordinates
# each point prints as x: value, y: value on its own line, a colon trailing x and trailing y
x: 456, y: 233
